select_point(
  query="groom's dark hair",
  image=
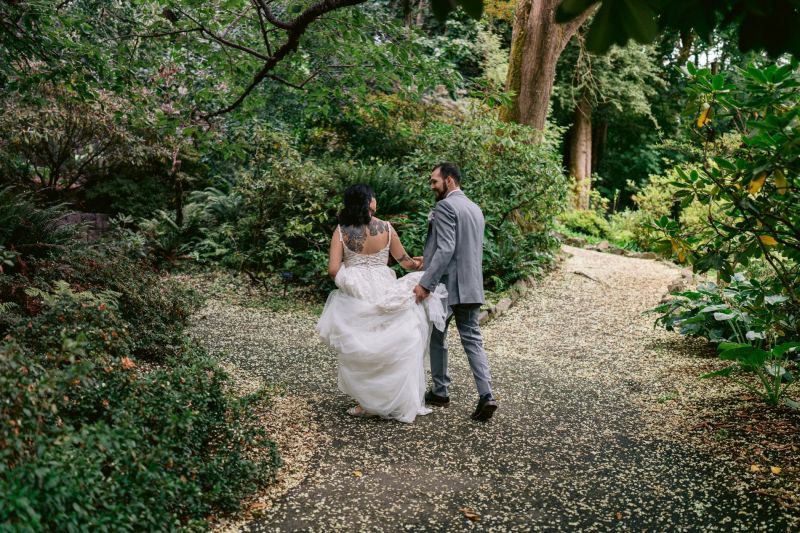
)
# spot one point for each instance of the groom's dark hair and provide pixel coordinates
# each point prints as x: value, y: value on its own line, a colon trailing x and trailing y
x: 449, y: 170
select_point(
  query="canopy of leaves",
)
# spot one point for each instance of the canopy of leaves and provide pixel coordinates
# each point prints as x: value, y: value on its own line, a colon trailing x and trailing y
x: 769, y: 25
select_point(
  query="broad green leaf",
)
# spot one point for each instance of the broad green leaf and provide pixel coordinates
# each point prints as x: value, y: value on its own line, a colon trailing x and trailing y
x: 782, y: 349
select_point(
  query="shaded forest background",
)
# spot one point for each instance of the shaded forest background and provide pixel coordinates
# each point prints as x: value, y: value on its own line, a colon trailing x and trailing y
x: 219, y: 135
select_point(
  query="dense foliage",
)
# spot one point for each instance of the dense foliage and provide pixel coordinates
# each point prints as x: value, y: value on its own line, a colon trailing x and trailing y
x: 112, y: 417
x: 745, y: 186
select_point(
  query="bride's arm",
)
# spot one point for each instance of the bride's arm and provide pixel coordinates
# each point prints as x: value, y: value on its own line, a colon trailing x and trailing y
x: 335, y: 256
x: 400, y: 255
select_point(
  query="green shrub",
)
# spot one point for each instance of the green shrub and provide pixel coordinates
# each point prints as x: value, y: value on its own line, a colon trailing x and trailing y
x: 624, y: 226
x: 29, y: 231
x: 93, y: 436
x: 65, y: 316
x: 277, y: 213
x: 754, y: 325
x: 586, y: 222
x: 159, y: 451
x: 155, y: 308
x: 743, y: 310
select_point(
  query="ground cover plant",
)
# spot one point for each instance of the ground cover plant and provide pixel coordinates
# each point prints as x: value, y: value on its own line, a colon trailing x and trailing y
x: 113, y: 417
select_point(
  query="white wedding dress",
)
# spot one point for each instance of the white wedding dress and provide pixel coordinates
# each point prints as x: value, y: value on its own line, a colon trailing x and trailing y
x: 380, y: 334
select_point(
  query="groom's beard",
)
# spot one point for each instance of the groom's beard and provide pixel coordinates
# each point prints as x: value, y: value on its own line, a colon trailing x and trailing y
x: 441, y: 195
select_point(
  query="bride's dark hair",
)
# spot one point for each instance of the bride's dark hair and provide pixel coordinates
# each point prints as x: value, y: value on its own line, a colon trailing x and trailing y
x: 356, y: 205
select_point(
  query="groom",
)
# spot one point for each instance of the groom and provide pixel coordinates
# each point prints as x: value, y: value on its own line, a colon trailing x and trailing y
x: 453, y: 255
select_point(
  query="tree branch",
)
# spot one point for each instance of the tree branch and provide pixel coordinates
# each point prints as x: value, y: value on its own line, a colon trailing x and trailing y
x: 160, y: 34
x: 294, y: 85
x: 295, y: 30
x: 263, y: 28
x: 235, y: 21
x: 272, y: 19
x: 223, y: 41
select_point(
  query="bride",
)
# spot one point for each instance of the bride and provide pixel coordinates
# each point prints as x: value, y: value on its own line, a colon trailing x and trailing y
x: 372, y: 320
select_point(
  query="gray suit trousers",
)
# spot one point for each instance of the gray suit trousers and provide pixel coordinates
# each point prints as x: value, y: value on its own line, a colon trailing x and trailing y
x: 466, y: 316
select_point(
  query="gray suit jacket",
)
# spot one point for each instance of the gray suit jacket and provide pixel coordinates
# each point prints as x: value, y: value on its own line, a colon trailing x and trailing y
x: 454, y: 250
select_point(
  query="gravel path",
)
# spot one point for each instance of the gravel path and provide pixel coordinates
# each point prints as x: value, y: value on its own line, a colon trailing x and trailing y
x: 573, y: 446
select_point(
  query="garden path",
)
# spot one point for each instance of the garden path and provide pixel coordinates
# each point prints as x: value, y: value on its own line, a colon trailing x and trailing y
x: 573, y: 446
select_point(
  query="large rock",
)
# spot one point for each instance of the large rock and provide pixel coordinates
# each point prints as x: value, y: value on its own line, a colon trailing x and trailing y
x: 520, y: 287
x: 678, y: 285
x: 502, y: 306
x: 644, y: 255
x: 601, y: 246
x: 94, y: 224
x: 578, y: 242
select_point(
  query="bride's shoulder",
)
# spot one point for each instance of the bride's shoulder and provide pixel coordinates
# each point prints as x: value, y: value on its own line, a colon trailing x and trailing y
x: 378, y: 226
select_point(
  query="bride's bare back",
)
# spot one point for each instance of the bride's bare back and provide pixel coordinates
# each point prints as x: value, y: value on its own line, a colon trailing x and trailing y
x: 368, y: 239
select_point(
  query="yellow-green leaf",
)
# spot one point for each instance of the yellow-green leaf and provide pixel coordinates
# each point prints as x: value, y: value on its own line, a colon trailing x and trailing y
x: 780, y: 182
x: 767, y: 240
x: 704, y: 117
x: 757, y: 183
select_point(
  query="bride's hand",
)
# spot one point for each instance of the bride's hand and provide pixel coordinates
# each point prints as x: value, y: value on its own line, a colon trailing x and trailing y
x: 420, y: 262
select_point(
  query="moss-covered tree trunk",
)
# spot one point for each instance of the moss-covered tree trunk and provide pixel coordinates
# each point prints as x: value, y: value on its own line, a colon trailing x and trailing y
x: 580, y: 152
x: 536, y: 43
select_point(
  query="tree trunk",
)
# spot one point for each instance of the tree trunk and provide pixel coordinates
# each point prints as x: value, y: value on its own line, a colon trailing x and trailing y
x: 599, y: 139
x: 536, y: 43
x: 580, y: 153
x: 421, y: 10
x: 687, y: 40
x: 178, y: 181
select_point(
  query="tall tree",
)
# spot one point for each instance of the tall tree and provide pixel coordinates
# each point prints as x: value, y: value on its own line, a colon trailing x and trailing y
x: 536, y: 44
x: 619, y: 83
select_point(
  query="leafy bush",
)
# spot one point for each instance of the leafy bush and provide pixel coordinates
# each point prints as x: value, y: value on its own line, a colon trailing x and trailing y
x: 277, y: 213
x: 154, y: 308
x: 44, y: 252
x: 744, y: 310
x: 28, y: 230
x: 754, y: 325
x: 95, y: 443
x: 773, y: 368
x: 64, y: 316
x: 750, y: 192
x: 586, y: 222
x: 94, y: 437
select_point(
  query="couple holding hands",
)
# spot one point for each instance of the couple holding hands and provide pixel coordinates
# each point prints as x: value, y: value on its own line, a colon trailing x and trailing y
x: 382, y: 327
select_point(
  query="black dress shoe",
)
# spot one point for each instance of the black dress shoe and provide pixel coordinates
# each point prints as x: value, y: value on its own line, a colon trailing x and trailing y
x: 486, y: 408
x: 435, y: 399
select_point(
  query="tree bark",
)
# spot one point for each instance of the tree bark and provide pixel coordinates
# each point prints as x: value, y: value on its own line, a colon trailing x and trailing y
x: 580, y: 154
x: 687, y: 40
x: 421, y: 10
x: 599, y: 139
x: 178, y: 182
x: 536, y: 43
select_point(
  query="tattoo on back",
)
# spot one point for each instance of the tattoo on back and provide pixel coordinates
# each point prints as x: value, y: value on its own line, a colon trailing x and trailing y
x: 356, y: 236
x: 376, y: 227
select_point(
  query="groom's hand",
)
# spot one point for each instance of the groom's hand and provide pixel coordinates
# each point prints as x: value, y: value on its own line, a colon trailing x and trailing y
x: 421, y: 293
